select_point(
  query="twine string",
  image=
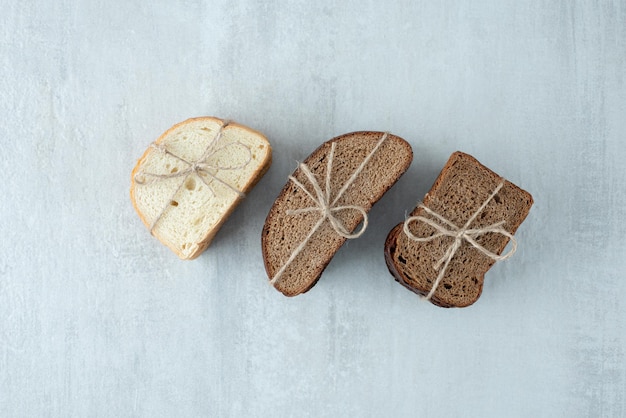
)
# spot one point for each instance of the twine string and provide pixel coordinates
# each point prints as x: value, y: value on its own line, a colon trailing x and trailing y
x: 445, y: 228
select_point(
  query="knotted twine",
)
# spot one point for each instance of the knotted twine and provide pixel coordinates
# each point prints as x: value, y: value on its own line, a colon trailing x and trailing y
x: 448, y: 229
x: 324, y: 205
x: 197, y: 167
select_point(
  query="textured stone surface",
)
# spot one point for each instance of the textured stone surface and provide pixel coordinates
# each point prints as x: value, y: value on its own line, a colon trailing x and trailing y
x: 98, y: 319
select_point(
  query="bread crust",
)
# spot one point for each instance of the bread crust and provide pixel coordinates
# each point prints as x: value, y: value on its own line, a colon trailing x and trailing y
x: 392, y: 245
x: 252, y: 181
x: 332, y: 240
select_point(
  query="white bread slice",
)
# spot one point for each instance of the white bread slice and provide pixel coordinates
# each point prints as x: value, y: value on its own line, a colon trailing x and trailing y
x: 182, y: 207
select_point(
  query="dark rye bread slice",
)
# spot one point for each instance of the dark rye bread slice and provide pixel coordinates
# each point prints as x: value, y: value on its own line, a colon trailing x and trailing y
x: 459, y: 191
x: 283, y: 232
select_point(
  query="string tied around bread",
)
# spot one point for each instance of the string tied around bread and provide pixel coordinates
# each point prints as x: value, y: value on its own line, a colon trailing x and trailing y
x: 445, y: 228
x: 202, y: 168
x: 326, y: 205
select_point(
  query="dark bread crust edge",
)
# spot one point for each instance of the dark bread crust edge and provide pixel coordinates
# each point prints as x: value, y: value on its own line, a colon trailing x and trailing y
x: 390, y: 247
x: 320, y: 150
x: 391, y: 241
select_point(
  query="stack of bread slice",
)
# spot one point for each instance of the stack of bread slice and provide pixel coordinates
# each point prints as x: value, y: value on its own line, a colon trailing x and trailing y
x: 189, y: 180
x: 323, y: 203
x: 458, y: 195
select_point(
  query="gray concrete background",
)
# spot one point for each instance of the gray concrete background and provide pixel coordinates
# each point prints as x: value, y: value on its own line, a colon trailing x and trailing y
x: 98, y: 319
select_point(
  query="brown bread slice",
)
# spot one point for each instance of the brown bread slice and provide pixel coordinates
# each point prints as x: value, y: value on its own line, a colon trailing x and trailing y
x: 459, y: 191
x: 283, y: 233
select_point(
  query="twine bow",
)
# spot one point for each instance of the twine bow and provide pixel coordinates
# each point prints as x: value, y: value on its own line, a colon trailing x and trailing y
x: 448, y: 229
x: 327, y: 207
x: 200, y: 167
